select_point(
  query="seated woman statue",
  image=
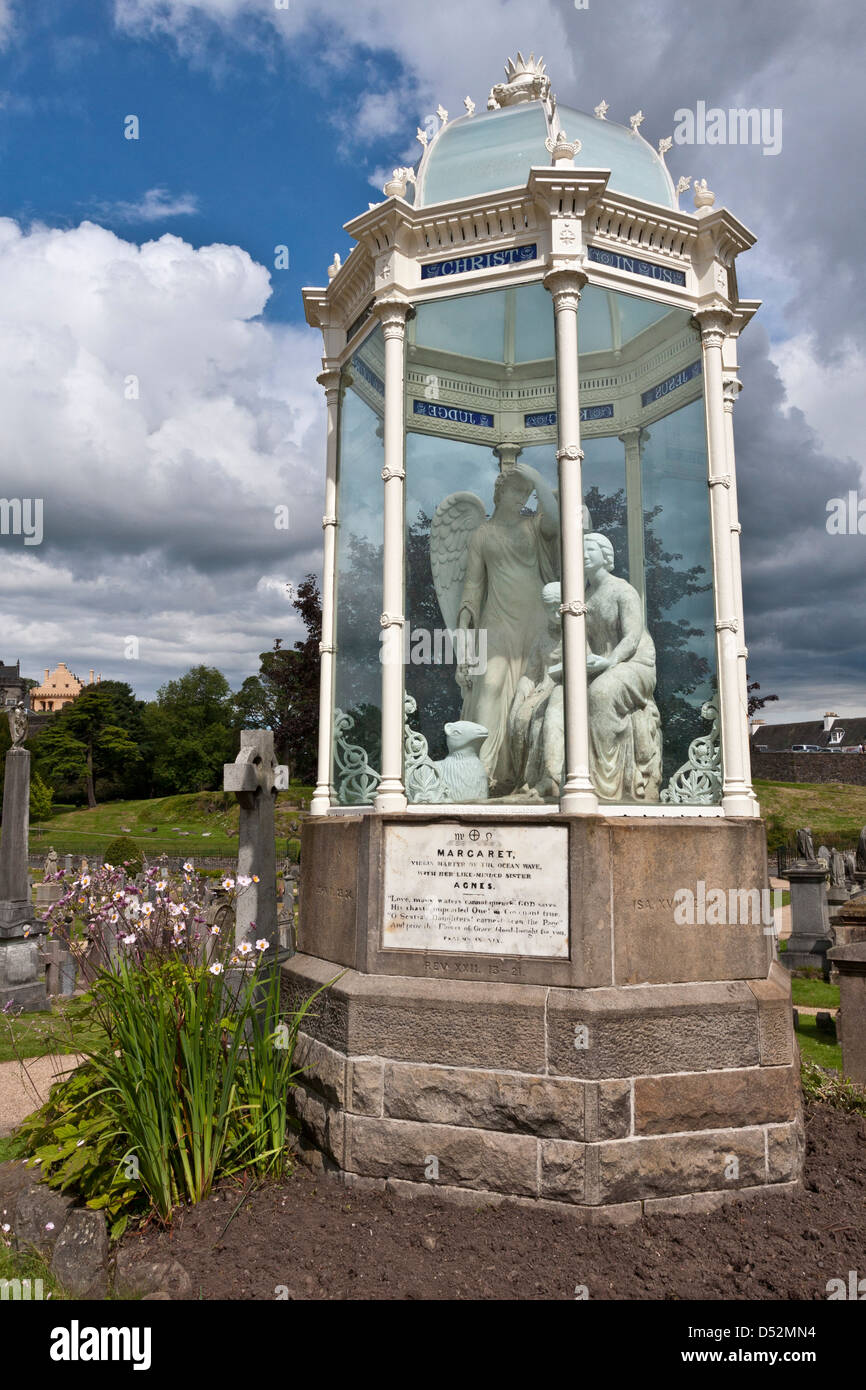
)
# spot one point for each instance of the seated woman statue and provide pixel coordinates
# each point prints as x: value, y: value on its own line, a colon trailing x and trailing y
x: 625, y: 742
x: 536, y: 728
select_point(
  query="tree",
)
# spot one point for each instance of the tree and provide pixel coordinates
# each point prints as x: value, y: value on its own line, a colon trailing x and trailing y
x: 41, y: 799
x: 189, y: 728
x: 284, y: 696
x: 87, y: 739
x: 756, y: 701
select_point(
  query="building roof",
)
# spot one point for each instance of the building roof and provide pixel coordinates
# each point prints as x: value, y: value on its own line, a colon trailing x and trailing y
x: 778, y: 737
x: 479, y: 153
x: 60, y: 681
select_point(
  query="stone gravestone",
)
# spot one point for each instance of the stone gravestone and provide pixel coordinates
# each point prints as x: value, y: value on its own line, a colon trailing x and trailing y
x: 850, y: 963
x: 860, y: 862
x: 837, y: 893
x: 255, y: 777
x: 810, y: 918
x: 805, y: 845
x: 21, y: 978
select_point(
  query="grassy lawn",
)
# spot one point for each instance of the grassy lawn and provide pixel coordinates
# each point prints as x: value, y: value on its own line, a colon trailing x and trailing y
x: 200, y: 823
x: 835, y: 812
x: 815, y: 1047
x: 64, y: 1029
x: 816, y: 994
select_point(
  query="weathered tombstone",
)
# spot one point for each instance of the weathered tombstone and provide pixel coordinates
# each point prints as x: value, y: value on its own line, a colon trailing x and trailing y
x: 850, y: 866
x: 860, y: 869
x: 253, y: 777
x: 67, y: 864
x: 805, y: 847
x: 21, y: 979
x: 824, y: 853
x: 850, y: 964
x: 810, y: 918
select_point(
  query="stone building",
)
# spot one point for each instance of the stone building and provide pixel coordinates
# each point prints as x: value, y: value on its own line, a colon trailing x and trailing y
x: 59, y: 688
x: 13, y: 686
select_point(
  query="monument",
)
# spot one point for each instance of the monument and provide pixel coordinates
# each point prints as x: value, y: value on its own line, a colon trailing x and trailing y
x: 533, y: 744
x: 21, y: 976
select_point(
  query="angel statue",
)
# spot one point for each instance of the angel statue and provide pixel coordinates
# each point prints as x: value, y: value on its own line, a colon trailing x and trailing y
x: 489, y: 573
x: 625, y: 740
x: 19, y: 719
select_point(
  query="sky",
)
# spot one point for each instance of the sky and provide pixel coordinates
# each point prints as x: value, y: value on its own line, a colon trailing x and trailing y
x: 157, y: 379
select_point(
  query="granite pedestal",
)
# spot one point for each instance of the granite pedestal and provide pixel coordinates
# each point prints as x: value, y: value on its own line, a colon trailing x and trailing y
x: 595, y: 1050
x: 811, y: 933
x: 21, y: 975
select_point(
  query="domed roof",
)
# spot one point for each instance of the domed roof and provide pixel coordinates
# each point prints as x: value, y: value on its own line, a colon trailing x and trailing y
x: 496, y: 149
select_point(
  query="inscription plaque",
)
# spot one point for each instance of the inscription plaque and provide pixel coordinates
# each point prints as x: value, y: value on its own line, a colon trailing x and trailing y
x: 489, y: 890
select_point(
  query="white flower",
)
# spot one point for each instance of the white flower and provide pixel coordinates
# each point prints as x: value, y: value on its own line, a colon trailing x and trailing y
x: 5, y: 1227
x: 244, y: 948
x: 130, y: 940
x: 161, y: 886
x: 119, y: 895
x: 187, y: 868
x: 85, y: 881
x: 228, y: 883
x: 262, y: 944
x: 244, y: 880
x: 147, y: 909
x: 215, y: 930
x: 216, y: 968
x: 113, y: 916
x: 49, y: 1225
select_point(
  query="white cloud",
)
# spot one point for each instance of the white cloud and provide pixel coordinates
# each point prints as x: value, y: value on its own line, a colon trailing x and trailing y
x: 161, y: 422
x: 156, y: 204
x: 830, y: 394
x: 7, y: 21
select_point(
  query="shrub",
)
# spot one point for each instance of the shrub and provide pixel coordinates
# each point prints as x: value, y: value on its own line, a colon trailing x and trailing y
x: 41, y: 798
x: 124, y: 850
x: 192, y: 1079
x: 293, y: 851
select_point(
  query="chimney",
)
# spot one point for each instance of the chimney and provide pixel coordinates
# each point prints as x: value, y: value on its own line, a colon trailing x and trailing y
x: 90, y: 682
x: 828, y: 721
x: 46, y: 673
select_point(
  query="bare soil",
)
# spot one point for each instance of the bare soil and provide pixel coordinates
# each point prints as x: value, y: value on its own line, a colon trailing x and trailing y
x: 313, y: 1238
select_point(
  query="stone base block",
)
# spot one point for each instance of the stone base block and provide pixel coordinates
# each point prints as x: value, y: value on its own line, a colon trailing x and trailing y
x: 22, y: 979
x: 606, y: 1101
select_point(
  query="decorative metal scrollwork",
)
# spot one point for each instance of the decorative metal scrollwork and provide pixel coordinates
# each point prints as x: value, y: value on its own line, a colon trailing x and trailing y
x: 356, y: 780
x: 424, y: 780
x: 699, y: 781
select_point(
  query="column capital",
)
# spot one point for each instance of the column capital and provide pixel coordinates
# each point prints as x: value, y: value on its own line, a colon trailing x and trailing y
x: 713, y: 324
x: 329, y: 378
x: 392, y: 310
x: 565, y: 284
x: 731, y: 388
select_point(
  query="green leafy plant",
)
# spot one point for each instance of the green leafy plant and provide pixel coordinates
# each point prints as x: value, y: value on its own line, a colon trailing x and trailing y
x: 124, y: 850
x: 293, y: 851
x: 832, y: 1089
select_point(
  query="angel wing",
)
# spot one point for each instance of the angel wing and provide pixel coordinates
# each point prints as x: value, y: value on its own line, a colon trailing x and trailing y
x: 454, y: 521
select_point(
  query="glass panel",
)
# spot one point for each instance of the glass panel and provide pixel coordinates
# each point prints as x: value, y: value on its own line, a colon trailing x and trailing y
x: 490, y: 150
x: 358, y: 671
x: 649, y: 576
x: 483, y: 635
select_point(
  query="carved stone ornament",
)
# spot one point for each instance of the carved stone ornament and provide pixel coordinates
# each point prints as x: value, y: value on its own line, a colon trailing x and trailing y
x: 719, y: 480
x: 527, y: 81
x: 683, y: 183
x: 574, y: 608
x: 665, y: 145
x: 391, y: 620
x: 601, y: 110
x: 335, y: 265
x: 699, y: 781
x: 561, y: 149
x: 635, y: 121
x: 389, y: 473
x: 727, y: 624
x: 704, y: 198
x: 470, y: 106
x: 396, y: 185
x: 570, y: 454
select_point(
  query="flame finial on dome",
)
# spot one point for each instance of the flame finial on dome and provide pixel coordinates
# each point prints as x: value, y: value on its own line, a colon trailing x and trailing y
x: 527, y: 81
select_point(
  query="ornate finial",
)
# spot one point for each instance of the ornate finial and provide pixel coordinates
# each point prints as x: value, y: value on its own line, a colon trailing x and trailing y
x: 396, y: 185
x: 336, y: 262
x: 634, y: 121
x: 422, y: 137
x: 561, y: 148
x: 704, y: 199
x: 442, y: 114
x: 665, y: 145
x: 601, y: 110
x: 527, y: 81
x: 683, y: 184
x: 470, y: 106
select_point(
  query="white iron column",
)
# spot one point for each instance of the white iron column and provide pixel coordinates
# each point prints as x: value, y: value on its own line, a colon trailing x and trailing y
x: 736, y: 800
x: 634, y: 441
x: 732, y: 388
x: 577, y: 795
x: 320, y: 804
x: 392, y: 311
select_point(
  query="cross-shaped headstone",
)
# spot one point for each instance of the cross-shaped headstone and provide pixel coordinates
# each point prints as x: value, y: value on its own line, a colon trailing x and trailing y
x: 255, y: 777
